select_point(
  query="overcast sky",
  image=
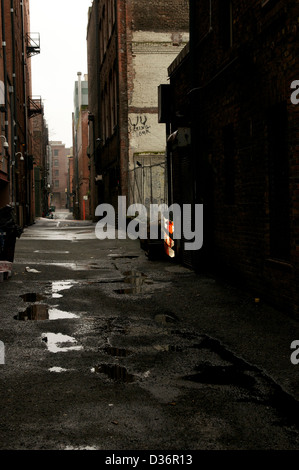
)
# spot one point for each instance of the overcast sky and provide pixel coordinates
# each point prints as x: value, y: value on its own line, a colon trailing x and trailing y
x: 62, y: 25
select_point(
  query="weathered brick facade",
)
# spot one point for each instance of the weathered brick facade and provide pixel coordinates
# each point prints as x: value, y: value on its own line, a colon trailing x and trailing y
x: 59, y: 174
x: 244, y: 140
x: 16, y: 169
x: 81, y: 201
x: 130, y: 45
x: 41, y: 167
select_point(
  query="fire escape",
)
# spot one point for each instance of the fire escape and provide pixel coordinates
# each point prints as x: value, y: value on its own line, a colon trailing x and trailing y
x: 32, y: 44
x: 35, y: 106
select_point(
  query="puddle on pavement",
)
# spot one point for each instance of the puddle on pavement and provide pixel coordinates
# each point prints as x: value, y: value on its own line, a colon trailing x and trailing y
x: 80, y: 448
x: 34, y: 312
x: 56, y: 314
x: 115, y: 372
x: 52, y: 252
x: 117, y: 352
x: 137, y: 282
x: 221, y: 375
x: 57, y: 369
x: 58, y: 286
x: 57, y: 342
x: 32, y: 297
x: 40, y: 312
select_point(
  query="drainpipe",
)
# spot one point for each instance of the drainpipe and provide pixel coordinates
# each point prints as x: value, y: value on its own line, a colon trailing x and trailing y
x: 98, y: 68
x: 14, y: 163
x: 195, y: 108
x: 77, y: 127
x: 197, y: 130
x: 5, y: 78
x: 195, y: 104
x: 98, y: 124
x: 194, y: 137
x: 119, y: 81
x: 25, y: 105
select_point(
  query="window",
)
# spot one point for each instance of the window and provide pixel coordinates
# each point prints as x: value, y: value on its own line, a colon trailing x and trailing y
x: 56, y: 173
x: 278, y: 167
x: 56, y: 183
x: 56, y: 163
x: 56, y: 153
x: 229, y: 164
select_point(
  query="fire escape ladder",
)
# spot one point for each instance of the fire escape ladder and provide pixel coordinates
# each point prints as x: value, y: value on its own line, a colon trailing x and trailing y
x: 32, y: 44
x: 34, y: 106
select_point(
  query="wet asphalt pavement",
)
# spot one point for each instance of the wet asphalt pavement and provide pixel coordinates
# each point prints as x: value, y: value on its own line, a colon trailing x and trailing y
x: 107, y: 350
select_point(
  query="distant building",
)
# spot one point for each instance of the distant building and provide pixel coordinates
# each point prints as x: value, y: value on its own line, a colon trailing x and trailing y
x: 41, y: 164
x: 130, y: 44
x: 233, y: 142
x: 59, y: 167
x: 80, y: 149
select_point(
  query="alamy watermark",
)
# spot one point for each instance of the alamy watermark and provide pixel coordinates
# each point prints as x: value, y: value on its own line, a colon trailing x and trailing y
x: 175, y: 222
x: 295, y: 354
x: 2, y: 353
x: 295, y: 94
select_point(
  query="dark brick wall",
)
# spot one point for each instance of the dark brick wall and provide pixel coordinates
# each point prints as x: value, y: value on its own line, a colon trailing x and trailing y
x: 159, y: 15
x: 238, y: 89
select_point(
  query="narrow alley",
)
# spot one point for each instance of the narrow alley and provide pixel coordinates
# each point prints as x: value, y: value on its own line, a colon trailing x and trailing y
x: 107, y: 350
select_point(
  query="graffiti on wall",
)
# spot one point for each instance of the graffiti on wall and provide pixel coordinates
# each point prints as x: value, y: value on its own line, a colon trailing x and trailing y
x: 139, y: 126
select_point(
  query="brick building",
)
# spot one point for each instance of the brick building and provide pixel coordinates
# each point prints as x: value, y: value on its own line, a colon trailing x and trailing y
x: 233, y: 141
x: 16, y: 109
x: 81, y: 169
x: 130, y: 44
x: 59, y: 168
x: 41, y: 164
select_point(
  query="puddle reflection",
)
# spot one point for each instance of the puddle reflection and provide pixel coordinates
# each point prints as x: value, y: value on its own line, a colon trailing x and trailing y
x: 115, y: 372
x: 57, y: 342
x: 40, y: 312
x: 58, y: 286
x: 137, y: 282
x: 32, y: 297
x: 57, y: 369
